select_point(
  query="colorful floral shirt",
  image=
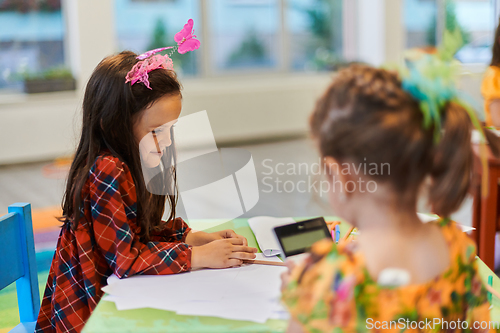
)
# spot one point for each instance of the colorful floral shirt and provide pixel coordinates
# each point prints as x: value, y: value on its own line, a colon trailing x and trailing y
x: 333, y: 292
x: 105, y: 242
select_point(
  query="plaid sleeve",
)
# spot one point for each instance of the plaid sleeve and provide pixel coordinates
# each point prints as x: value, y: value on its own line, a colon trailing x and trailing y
x: 175, y: 230
x: 113, y: 204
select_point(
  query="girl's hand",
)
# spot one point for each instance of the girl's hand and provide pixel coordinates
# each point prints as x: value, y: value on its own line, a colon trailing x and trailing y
x: 228, y: 233
x: 198, y: 238
x: 285, y: 276
x: 221, y: 253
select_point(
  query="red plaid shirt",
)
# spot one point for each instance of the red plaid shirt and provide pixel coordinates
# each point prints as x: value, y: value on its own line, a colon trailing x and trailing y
x: 82, y: 261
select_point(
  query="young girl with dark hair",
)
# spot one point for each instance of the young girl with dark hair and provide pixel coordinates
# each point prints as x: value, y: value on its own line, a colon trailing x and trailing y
x: 400, y: 274
x: 112, y: 219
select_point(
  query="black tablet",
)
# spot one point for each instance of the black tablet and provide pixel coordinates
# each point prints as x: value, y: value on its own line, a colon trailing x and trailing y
x: 297, y: 238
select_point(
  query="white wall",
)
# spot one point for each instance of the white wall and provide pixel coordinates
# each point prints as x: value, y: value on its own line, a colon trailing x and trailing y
x: 90, y: 35
x: 37, y: 128
x: 45, y: 126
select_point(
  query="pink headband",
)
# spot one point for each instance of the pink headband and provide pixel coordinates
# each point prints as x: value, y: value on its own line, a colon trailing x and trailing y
x: 150, y: 60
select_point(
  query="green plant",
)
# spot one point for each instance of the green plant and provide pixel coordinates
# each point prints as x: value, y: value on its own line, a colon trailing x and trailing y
x: 25, y: 6
x: 322, y: 16
x: 251, y: 49
x: 49, y: 74
x: 325, y: 19
x: 159, y: 38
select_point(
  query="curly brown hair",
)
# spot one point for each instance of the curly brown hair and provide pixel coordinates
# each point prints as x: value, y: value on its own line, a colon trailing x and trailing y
x: 365, y: 116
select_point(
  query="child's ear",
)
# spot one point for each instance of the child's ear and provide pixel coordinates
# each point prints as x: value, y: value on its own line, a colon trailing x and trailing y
x: 340, y: 173
x: 331, y: 166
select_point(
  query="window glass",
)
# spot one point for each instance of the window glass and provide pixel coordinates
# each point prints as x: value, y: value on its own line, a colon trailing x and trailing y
x: 142, y: 25
x: 475, y: 19
x: 31, y: 41
x: 420, y: 22
x: 244, y: 34
x: 315, y: 32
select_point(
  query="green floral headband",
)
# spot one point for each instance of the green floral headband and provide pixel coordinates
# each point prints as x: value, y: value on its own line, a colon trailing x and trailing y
x: 431, y: 80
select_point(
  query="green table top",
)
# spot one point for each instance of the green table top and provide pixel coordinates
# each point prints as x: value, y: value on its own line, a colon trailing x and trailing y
x: 106, y: 318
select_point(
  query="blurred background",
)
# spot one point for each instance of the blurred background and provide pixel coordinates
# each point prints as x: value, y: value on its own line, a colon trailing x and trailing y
x: 260, y: 67
x: 258, y: 72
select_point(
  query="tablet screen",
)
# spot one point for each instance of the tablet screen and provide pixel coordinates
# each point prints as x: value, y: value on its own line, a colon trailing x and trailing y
x: 297, y: 238
x: 301, y: 241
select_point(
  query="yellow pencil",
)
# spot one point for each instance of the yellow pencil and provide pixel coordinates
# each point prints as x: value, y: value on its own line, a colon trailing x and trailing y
x: 346, y: 236
x: 264, y: 262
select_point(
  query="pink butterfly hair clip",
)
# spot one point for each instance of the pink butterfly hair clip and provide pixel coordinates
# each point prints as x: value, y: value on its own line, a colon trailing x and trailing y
x: 186, y: 38
x: 150, y: 61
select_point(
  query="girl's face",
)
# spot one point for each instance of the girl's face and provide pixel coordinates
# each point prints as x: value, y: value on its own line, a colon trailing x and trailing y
x: 152, y: 128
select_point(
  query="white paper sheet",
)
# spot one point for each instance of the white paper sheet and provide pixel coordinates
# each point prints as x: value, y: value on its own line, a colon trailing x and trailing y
x: 235, y: 309
x: 262, y: 227
x: 231, y: 308
x: 250, y: 292
x: 280, y: 312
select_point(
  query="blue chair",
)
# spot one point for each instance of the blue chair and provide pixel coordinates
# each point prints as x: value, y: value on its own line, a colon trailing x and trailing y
x: 18, y: 263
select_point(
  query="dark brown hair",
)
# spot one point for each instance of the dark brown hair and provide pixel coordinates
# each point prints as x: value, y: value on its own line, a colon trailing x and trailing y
x: 366, y: 117
x: 495, y: 59
x: 110, y: 107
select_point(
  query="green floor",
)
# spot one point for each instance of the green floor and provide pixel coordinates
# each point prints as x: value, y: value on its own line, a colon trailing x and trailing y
x: 9, y: 312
